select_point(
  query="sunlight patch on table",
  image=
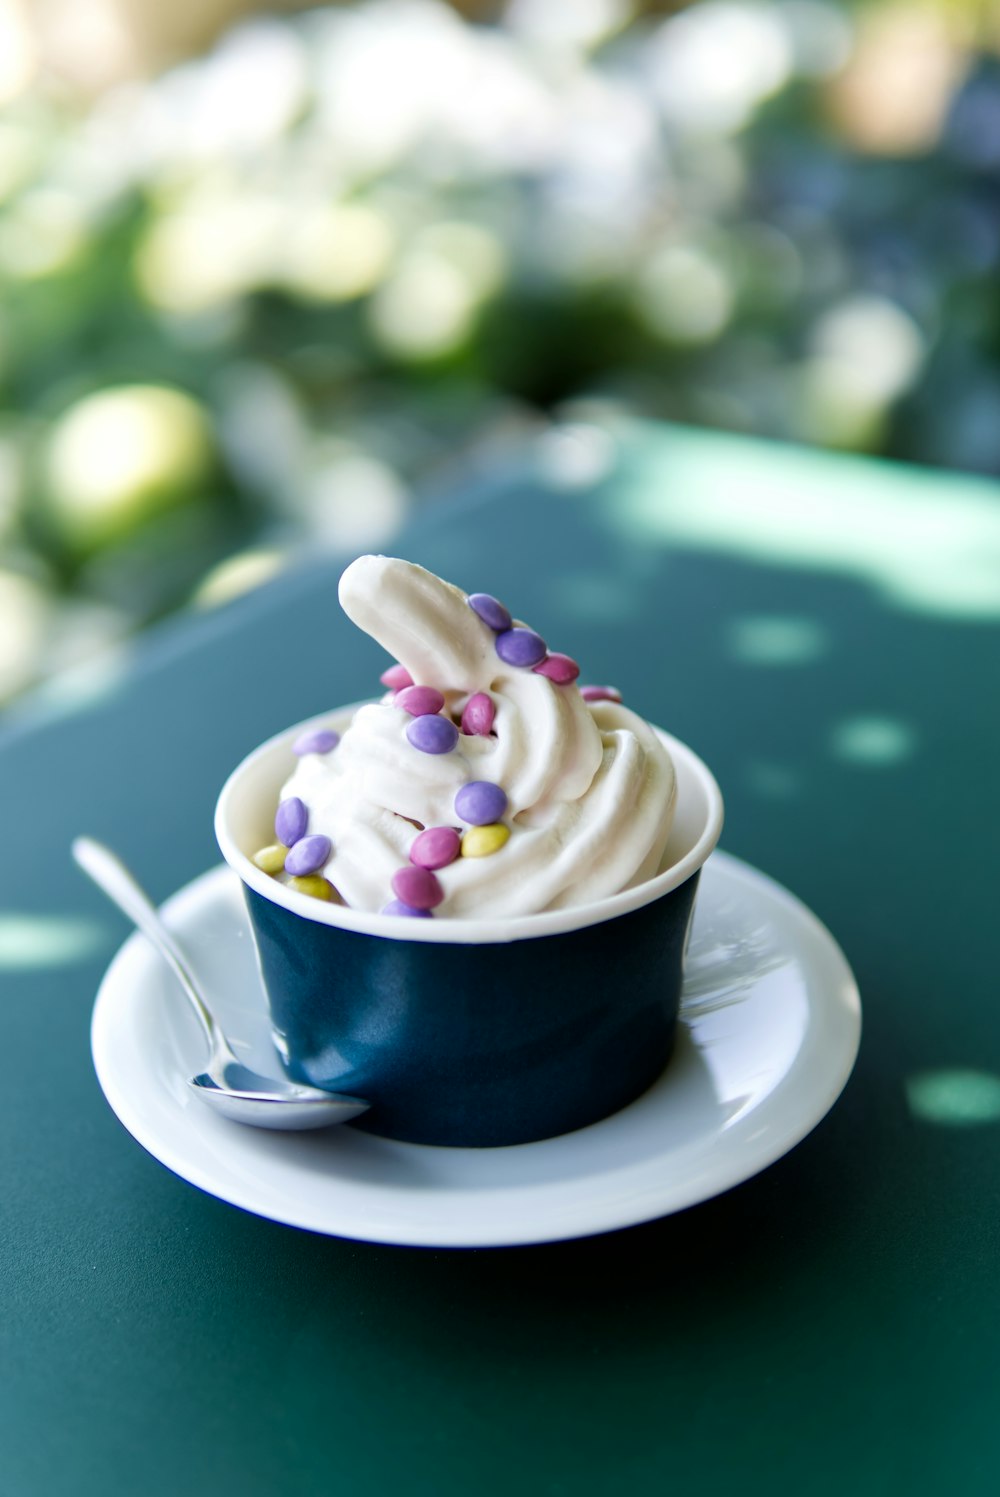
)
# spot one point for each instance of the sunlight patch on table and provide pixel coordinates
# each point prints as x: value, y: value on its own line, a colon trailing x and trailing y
x: 927, y: 543
x: 596, y: 598
x: 772, y: 640
x: 772, y: 781
x: 875, y: 742
x: 34, y: 943
x: 954, y: 1098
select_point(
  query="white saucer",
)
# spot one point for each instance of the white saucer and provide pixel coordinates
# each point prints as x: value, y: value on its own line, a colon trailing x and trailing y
x: 770, y: 1027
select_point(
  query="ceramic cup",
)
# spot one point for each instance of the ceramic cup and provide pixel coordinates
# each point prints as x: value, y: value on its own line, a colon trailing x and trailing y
x: 471, y: 1032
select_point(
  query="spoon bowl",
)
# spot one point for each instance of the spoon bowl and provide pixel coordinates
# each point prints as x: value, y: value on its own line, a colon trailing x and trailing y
x: 226, y: 1084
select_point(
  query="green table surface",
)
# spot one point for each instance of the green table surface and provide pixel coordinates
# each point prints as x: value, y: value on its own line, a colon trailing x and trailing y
x: 825, y: 632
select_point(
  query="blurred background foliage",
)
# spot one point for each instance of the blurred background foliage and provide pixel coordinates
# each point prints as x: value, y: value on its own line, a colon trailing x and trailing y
x: 266, y: 279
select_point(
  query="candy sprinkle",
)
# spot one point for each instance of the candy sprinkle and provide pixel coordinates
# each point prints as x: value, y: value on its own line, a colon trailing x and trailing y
x: 315, y: 741
x: 271, y: 859
x: 520, y: 647
x: 396, y: 677
x: 561, y: 669
x: 477, y: 719
x: 480, y: 841
x: 400, y: 907
x: 600, y: 693
x: 490, y: 610
x: 432, y: 734
x: 318, y: 888
x: 480, y: 802
x: 308, y: 855
x: 419, y: 701
x: 291, y: 821
x: 436, y: 847
x: 417, y: 887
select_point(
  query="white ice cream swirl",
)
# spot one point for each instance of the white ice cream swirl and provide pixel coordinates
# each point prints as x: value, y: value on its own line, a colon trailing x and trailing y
x: 590, y: 787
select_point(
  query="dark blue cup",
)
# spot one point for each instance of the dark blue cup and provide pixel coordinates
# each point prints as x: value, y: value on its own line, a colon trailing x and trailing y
x: 472, y: 1032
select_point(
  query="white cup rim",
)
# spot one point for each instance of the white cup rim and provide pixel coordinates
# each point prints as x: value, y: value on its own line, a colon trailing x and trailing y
x: 464, y: 931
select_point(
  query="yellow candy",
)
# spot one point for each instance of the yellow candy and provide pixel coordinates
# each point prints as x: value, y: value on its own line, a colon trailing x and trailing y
x: 271, y: 859
x: 314, y: 884
x: 480, y: 841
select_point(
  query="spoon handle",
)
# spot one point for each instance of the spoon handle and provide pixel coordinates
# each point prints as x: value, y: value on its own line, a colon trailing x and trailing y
x: 110, y: 874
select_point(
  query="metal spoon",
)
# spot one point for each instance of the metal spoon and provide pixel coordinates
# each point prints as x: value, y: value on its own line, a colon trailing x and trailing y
x: 226, y: 1084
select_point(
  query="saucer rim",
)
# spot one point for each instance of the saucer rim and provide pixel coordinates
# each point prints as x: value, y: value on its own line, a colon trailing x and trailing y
x: 840, y: 997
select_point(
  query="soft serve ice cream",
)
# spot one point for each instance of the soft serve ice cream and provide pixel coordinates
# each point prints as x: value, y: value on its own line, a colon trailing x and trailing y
x: 486, y: 783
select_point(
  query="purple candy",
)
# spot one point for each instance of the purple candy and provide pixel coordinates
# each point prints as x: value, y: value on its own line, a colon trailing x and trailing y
x: 436, y: 847
x: 600, y: 693
x: 308, y: 855
x: 417, y: 887
x: 490, y: 610
x: 432, y: 734
x: 480, y: 803
x: 419, y: 701
x: 291, y: 821
x: 399, y: 907
x: 316, y: 741
x: 520, y: 647
x: 477, y: 719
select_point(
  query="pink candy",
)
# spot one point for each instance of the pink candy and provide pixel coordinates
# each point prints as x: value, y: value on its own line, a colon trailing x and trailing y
x: 600, y: 693
x: 436, y: 847
x: 419, y: 701
x: 417, y: 887
x: 477, y: 719
x: 396, y: 677
x: 559, y: 668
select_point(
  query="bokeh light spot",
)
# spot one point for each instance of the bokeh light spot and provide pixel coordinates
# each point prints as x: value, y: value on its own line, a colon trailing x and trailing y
x: 684, y: 295
x: 575, y: 456
x: 880, y: 344
x: 424, y: 309
x: 714, y: 63
x: 237, y: 575
x: 355, y: 502
x: 17, y: 50
x: 338, y: 252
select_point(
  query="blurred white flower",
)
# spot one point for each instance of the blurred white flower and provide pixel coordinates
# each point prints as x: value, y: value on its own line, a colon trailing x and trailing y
x: 123, y: 454
x: 821, y: 36
x: 336, y: 251
x: 263, y: 430
x: 354, y: 502
x: 556, y: 24
x: 684, y: 295
x: 42, y: 233
x: 236, y: 101
x: 215, y: 247
x: 426, y: 307
x: 713, y: 64
x: 879, y: 345
x: 27, y: 614
x: 17, y: 51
